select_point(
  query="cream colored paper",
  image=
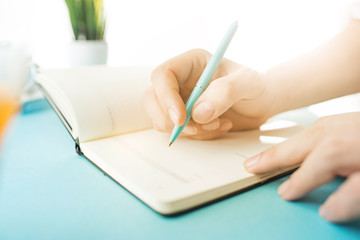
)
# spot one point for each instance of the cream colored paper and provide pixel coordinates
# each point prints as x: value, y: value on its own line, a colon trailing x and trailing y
x: 189, y: 173
x: 99, y: 101
x: 103, y: 107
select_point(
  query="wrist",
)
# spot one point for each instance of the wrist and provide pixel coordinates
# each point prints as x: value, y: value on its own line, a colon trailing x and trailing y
x: 274, y: 94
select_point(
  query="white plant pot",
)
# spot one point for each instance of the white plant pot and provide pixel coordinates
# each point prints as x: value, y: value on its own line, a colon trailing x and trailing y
x: 88, y: 52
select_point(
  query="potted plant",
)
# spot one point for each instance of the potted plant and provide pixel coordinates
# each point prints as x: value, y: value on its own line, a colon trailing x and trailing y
x: 88, y: 25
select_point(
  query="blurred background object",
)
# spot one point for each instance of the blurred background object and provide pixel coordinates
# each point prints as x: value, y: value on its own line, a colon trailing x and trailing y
x: 8, y: 108
x: 14, y: 66
x: 88, y: 24
x: 142, y: 32
x: 14, y: 74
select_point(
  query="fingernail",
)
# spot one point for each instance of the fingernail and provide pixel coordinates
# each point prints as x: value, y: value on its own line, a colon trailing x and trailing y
x: 203, y: 112
x: 173, y: 116
x: 324, y: 212
x: 251, y: 162
x: 213, y: 125
x: 190, y: 129
x: 283, y: 188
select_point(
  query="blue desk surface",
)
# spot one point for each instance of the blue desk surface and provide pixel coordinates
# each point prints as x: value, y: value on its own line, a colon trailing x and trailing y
x: 47, y: 191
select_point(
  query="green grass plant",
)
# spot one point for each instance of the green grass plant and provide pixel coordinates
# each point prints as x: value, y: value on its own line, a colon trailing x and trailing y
x: 87, y: 19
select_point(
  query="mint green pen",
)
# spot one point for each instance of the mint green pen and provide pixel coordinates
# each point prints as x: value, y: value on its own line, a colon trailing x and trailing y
x: 205, y: 78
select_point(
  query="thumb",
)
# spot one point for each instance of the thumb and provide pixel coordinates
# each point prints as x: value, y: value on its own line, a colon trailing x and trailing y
x: 224, y: 92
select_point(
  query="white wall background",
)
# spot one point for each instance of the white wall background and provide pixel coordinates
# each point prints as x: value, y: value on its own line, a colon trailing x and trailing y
x: 144, y: 32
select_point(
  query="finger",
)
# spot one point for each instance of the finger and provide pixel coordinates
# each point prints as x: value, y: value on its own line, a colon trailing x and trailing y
x: 344, y: 204
x: 317, y: 169
x: 289, y: 153
x: 167, y: 91
x: 168, y: 77
x: 193, y: 128
x: 225, y: 126
x: 224, y: 92
x: 242, y: 122
x: 161, y: 121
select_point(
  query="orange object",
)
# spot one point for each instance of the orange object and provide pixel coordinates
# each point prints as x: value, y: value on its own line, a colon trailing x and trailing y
x: 8, y: 108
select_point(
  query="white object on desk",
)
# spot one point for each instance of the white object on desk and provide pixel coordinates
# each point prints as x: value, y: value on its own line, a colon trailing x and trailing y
x: 346, y: 104
x: 15, y: 63
x: 88, y: 52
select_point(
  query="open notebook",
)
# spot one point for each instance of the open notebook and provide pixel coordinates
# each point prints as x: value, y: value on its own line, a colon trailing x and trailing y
x: 101, y: 108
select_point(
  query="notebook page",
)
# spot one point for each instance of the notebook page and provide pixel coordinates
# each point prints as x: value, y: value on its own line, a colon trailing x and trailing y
x: 106, y: 101
x: 192, y: 160
x: 144, y: 162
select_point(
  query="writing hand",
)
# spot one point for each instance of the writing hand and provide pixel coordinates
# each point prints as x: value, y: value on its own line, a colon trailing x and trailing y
x: 237, y: 98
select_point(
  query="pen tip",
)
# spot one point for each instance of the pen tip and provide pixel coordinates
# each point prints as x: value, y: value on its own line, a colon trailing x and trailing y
x: 170, y: 144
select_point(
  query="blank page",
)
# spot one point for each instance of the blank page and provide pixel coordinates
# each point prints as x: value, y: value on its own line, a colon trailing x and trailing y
x: 143, y: 163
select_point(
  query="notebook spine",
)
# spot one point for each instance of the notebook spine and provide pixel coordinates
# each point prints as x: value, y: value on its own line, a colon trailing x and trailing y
x: 77, y: 147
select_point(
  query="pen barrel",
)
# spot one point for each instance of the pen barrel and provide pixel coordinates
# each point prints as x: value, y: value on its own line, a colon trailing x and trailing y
x: 216, y: 58
x: 195, y: 94
x: 205, y: 79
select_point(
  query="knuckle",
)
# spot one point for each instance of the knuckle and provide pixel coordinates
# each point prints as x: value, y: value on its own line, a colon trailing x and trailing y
x: 322, y: 122
x: 317, y: 129
x: 162, y: 72
x: 225, y: 87
x: 319, y: 122
x: 197, y: 51
x: 271, y: 153
x: 205, y: 137
x: 159, y: 127
x: 269, y: 157
x: 333, y: 149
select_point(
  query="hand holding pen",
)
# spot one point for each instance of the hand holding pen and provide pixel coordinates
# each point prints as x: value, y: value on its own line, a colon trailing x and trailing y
x: 233, y: 100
